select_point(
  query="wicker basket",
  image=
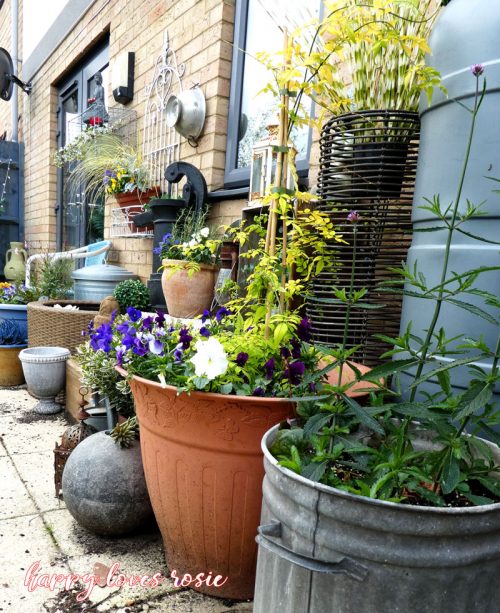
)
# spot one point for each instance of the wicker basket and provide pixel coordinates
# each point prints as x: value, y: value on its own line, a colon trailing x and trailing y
x: 50, y: 327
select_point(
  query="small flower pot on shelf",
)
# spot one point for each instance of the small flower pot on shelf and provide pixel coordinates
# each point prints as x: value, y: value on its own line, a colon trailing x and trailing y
x: 188, y: 293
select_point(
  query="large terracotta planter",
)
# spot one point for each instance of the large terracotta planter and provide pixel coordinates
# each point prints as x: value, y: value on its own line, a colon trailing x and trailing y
x: 136, y: 197
x: 204, y: 468
x: 187, y: 296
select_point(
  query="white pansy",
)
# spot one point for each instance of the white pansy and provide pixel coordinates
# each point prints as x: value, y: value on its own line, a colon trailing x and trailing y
x: 204, y: 232
x: 210, y: 359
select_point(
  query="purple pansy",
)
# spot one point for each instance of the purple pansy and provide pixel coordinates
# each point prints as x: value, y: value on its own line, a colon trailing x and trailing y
x: 258, y: 391
x: 185, y: 338
x: 134, y: 314
x: 204, y: 331
x: 205, y: 316
x: 241, y: 358
x: 222, y: 312
x: 304, y: 330
x: 295, y: 372
x: 156, y: 347
x: 269, y: 368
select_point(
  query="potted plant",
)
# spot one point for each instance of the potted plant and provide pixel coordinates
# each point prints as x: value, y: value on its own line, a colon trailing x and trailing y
x: 131, y: 293
x: 12, y: 341
x: 395, y: 506
x: 204, y: 393
x: 14, y: 325
x: 189, y: 263
x: 105, y: 164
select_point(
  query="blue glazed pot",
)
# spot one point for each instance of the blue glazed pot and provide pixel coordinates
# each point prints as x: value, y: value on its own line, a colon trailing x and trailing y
x: 16, y: 315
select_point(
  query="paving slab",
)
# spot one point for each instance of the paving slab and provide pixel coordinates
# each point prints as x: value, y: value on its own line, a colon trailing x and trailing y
x: 37, y: 472
x: 23, y: 542
x: 14, y: 498
x: 32, y: 433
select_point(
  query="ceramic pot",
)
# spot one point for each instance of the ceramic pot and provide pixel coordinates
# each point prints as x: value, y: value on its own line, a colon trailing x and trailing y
x: 11, y: 370
x: 45, y: 373
x: 136, y: 197
x: 104, y: 488
x: 15, y: 258
x: 187, y: 296
x: 17, y: 316
x: 323, y: 549
x: 203, y: 466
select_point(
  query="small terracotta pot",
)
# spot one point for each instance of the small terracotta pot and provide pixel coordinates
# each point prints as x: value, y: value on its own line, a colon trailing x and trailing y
x: 359, y: 389
x: 187, y: 296
x: 204, y: 468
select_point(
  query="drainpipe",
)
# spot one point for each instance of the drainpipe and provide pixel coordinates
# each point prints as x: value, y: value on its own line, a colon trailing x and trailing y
x: 14, y: 26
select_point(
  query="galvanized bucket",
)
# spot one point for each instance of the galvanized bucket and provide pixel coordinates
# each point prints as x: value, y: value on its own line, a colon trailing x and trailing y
x: 322, y: 550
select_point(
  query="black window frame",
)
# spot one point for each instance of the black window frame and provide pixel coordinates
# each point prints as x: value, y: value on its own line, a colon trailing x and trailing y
x: 235, y: 177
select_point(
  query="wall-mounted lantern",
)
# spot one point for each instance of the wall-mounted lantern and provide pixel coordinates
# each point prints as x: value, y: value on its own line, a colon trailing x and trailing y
x: 122, y: 77
x: 186, y: 113
x: 8, y: 78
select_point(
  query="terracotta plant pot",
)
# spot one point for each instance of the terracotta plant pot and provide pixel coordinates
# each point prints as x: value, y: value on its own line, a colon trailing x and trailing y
x: 187, y: 296
x: 204, y: 469
x: 11, y: 369
x: 137, y: 197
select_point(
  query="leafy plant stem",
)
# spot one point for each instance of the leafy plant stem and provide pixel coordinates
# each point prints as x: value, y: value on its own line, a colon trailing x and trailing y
x: 439, y: 299
x: 350, y: 298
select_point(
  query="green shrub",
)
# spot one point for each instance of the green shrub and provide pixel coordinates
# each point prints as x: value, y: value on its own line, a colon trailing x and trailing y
x: 132, y: 293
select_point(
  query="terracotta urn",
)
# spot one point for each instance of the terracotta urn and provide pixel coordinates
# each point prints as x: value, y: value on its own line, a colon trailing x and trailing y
x: 204, y: 468
x: 187, y: 294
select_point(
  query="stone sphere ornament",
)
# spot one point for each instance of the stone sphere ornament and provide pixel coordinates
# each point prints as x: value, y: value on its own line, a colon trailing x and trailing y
x: 104, y: 487
x: 45, y: 373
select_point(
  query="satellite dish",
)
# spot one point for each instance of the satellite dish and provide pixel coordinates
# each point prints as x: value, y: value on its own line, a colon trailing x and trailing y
x: 7, y: 77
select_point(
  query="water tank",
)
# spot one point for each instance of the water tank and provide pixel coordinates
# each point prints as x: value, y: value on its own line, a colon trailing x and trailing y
x: 466, y: 33
x: 98, y: 281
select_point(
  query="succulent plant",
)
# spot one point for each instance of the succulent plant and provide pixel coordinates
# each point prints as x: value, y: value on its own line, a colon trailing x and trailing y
x: 126, y: 433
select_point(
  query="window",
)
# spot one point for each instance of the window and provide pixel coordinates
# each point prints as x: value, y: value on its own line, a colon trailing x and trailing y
x: 78, y: 222
x: 257, y: 29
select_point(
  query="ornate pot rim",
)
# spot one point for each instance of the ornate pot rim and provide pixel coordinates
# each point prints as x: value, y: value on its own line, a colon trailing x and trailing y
x: 168, y: 263
x: 195, y: 394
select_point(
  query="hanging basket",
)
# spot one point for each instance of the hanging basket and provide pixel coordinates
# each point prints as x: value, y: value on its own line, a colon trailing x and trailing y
x: 368, y: 163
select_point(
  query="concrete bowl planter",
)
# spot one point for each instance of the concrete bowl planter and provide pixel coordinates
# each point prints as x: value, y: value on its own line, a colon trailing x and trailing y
x: 318, y: 545
x: 104, y: 487
x: 45, y: 373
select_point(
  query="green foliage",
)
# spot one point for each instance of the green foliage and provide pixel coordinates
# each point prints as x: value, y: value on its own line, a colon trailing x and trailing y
x: 99, y: 374
x: 377, y: 450
x: 53, y: 278
x: 363, y: 55
x: 132, y: 293
x: 190, y: 240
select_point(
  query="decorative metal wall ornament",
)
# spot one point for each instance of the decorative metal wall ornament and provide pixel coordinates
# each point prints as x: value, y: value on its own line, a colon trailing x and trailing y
x: 161, y: 144
x: 186, y: 113
x: 368, y: 163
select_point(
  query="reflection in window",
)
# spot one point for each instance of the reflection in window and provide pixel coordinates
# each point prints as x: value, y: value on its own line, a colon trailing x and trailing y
x: 263, y: 34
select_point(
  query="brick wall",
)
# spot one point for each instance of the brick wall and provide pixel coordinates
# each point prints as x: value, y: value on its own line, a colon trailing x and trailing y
x: 199, y: 31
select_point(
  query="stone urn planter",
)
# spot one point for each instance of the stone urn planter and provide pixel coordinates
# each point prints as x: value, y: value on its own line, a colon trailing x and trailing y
x: 45, y: 372
x: 203, y: 467
x: 187, y: 295
x: 323, y: 549
x: 104, y: 487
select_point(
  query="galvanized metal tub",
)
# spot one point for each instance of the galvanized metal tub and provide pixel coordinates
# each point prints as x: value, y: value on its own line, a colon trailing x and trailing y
x: 322, y: 550
x: 98, y: 281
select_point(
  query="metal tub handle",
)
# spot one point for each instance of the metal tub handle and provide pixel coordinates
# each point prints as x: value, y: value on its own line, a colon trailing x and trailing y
x: 344, y: 566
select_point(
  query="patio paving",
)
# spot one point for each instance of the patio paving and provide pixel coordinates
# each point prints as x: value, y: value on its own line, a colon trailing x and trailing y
x: 35, y: 527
